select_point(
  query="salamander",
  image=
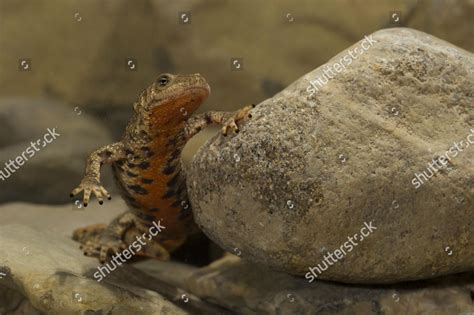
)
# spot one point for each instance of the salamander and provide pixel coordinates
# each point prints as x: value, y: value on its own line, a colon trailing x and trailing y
x: 148, y: 170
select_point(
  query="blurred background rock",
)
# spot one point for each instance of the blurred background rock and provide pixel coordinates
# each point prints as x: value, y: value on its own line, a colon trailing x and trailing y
x: 78, y: 52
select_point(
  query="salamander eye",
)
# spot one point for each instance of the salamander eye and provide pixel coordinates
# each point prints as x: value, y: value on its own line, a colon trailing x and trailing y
x: 163, y: 80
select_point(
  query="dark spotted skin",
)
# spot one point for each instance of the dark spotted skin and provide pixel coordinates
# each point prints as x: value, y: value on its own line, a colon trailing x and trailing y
x: 147, y: 168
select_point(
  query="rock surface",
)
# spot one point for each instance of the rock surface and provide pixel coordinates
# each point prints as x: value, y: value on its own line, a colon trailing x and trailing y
x: 57, y: 279
x: 252, y: 289
x: 306, y: 172
x: 60, y: 219
x: 45, y: 273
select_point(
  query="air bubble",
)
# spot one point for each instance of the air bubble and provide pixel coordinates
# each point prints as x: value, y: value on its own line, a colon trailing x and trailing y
x: 342, y: 158
x: 77, y: 297
x: 185, y: 298
x: 290, y: 204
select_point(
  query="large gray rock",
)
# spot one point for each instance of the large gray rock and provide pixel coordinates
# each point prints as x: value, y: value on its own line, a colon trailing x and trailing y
x: 309, y: 171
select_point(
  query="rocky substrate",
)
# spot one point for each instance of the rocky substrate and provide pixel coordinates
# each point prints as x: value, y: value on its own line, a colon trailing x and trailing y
x: 45, y: 273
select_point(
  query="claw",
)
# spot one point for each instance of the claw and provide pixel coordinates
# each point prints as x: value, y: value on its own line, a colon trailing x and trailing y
x: 239, y: 116
x: 76, y: 191
x: 105, y: 193
x: 91, y: 186
x: 87, y: 195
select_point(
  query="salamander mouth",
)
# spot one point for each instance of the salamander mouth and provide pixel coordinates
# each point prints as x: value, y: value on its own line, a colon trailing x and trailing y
x: 188, y: 98
x: 178, y: 106
x: 202, y: 91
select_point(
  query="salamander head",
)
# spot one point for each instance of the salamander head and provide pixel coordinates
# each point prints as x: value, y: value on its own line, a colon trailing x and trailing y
x: 172, y: 99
